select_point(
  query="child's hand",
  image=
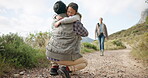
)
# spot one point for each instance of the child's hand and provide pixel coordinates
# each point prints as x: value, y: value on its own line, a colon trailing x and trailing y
x: 57, y: 23
x: 58, y: 17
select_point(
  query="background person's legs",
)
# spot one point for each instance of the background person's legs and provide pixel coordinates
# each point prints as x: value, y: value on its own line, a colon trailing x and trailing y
x: 101, y: 39
x: 102, y: 42
x: 99, y: 42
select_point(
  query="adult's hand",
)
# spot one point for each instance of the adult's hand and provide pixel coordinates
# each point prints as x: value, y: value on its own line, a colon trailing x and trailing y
x: 57, y: 23
x: 58, y: 17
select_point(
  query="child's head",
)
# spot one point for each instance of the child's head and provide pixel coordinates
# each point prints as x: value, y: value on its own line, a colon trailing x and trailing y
x: 59, y: 7
x: 72, y: 9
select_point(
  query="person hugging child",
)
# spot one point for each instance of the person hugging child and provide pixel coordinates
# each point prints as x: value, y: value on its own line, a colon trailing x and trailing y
x: 73, y: 17
x: 63, y: 49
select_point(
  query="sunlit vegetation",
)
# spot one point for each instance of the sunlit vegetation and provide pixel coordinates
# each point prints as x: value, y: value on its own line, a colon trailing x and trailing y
x: 16, y: 53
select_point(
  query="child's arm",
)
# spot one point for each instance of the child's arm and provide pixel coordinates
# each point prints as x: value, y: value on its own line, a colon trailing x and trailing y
x: 70, y: 19
x: 80, y: 29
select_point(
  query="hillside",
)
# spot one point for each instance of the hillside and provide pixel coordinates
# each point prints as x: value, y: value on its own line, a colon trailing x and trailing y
x: 138, y: 29
x: 137, y: 38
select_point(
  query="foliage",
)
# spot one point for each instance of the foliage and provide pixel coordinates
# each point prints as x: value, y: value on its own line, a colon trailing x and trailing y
x: 86, y: 50
x: 114, y: 44
x: 95, y: 42
x: 117, y: 43
x: 41, y: 56
x: 4, y: 66
x: 89, y: 45
x: 17, y: 52
x: 38, y: 39
x: 140, y: 48
x: 146, y: 20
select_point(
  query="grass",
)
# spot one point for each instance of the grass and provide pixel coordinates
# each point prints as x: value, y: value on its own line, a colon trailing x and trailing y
x: 87, y: 50
x: 140, y: 48
x: 4, y: 66
x: 88, y: 47
x: 111, y: 44
x: 114, y: 44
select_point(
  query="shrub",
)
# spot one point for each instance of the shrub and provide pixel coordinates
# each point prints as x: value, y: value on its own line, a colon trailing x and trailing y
x: 89, y: 45
x: 114, y: 44
x: 17, y: 52
x: 117, y: 43
x: 86, y: 50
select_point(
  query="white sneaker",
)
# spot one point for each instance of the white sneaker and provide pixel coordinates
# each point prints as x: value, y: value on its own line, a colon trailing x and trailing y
x: 101, y: 53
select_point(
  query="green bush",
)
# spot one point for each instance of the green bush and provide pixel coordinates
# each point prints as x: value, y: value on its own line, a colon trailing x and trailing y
x: 86, y: 50
x: 96, y: 43
x: 114, y: 45
x: 41, y: 56
x: 117, y: 42
x: 17, y: 52
x: 89, y: 45
x: 4, y: 66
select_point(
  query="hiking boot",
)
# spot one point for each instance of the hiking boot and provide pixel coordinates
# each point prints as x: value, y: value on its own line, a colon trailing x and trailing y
x: 53, y: 71
x: 64, y: 72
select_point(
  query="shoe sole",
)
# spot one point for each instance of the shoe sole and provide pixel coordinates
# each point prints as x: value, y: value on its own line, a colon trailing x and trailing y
x: 60, y: 72
x: 54, y: 74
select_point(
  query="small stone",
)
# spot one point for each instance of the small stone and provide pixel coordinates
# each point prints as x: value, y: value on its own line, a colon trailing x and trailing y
x: 22, y: 73
x: 28, y: 75
x: 16, y: 75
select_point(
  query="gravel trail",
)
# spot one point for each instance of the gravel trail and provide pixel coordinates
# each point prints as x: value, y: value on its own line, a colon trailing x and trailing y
x: 114, y: 64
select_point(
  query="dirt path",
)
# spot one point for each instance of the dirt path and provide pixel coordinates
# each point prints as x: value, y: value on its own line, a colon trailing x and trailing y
x: 115, y: 64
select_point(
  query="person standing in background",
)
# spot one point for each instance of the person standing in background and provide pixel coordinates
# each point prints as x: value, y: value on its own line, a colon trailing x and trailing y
x: 101, y: 33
